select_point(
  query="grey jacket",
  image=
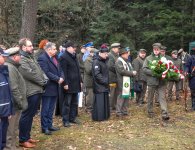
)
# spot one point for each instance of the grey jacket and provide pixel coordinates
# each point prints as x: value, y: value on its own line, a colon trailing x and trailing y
x: 88, y: 79
x: 120, y: 71
x: 18, y: 86
x: 34, y: 77
x: 111, y: 66
x: 137, y: 66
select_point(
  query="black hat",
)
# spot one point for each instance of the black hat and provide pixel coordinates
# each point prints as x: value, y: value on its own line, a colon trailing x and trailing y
x: 163, y: 47
x: 69, y: 44
x: 104, y: 48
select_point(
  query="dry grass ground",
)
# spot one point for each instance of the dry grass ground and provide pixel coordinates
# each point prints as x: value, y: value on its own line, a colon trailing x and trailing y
x: 134, y: 132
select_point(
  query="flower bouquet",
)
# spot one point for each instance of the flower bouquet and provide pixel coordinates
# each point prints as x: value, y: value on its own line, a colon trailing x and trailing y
x: 165, y: 69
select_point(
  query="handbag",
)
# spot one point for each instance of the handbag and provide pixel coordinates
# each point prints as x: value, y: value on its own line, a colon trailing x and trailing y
x: 137, y: 87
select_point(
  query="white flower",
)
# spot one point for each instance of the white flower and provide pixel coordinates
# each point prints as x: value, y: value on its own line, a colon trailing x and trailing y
x: 153, y: 67
x: 164, y: 60
x: 154, y: 62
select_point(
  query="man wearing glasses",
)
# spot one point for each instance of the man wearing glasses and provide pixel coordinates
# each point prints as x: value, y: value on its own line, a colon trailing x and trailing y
x: 35, y: 80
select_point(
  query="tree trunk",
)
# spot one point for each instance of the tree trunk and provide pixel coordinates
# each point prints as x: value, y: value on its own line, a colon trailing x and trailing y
x: 29, y: 15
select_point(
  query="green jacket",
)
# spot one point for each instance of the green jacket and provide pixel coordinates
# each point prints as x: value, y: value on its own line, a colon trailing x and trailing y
x: 111, y: 66
x: 177, y: 62
x: 34, y: 77
x: 18, y: 86
x: 88, y: 79
x: 137, y: 66
x: 120, y: 71
x: 81, y: 63
x: 151, y: 80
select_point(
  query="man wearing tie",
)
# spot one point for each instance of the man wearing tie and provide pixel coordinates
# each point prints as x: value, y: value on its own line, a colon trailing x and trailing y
x: 50, y: 66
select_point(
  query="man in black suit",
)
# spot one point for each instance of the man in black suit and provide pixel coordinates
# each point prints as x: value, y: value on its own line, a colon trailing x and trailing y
x: 73, y: 83
x: 50, y: 66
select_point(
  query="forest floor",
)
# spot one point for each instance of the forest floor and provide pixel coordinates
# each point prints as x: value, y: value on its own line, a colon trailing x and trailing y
x: 134, y: 132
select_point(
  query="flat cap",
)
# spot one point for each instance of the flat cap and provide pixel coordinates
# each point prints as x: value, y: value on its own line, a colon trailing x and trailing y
x: 69, y: 44
x: 174, y: 52
x: 180, y: 51
x: 123, y: 50
x: 115, y: 45
x: 157, y: 45
x: 163, y: 47
x: 13, y: 51
x: 94, y: 50
x: 142, y: 50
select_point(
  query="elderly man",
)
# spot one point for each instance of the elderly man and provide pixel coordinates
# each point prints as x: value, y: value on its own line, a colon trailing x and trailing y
x: 51, y: 68
x: 35, y: 80
x: 140, y: 77
x: 154, y: 83
x: 125, y: 74
x: 18, y: 89
x: 73, y: 83
x: 113, y: 55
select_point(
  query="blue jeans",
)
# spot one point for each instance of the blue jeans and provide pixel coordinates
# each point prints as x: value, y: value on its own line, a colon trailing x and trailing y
x: 47, y: 110
x: 26, y: 119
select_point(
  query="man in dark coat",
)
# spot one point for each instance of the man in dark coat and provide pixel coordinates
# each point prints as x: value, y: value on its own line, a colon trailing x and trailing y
x: 49, y: 64
x: 73, y: 83
x: 190, y: 70
x: 101, y: 107
x: 5, y: 99
x: 140, y: 77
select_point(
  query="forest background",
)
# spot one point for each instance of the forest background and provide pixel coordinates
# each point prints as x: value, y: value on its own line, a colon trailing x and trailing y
x: 133, y: 23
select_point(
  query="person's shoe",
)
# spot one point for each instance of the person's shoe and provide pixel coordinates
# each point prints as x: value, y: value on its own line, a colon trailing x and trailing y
x: 26, y: 144
x: 46, y: 132
x: 76, y: 121
x: 53, y: 129
x: 151, y: 115
x: 67, y: 124
x: 33, y: 141
x: 165, y: 118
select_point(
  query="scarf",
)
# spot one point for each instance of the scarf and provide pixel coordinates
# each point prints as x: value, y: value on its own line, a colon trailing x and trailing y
x: 126, y: 80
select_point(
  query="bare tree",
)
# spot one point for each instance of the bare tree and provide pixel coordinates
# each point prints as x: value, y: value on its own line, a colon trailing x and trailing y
x: 29, y: 14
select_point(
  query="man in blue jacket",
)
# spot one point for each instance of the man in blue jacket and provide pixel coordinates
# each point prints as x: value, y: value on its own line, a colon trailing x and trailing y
x: 5, y: 100
x: 50, y: 66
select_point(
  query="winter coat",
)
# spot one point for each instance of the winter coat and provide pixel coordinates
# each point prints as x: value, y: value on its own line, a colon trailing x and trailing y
x: 190, y: 69
x: 100, y: 75
x: 6, y: 102
x: 72, y: 76
x: 151, y: 80
x: 88, y: 79
x: 137, y: 66
x: 34, y: 77
x: 53, y: 73
x: 111, y: 66
x: 18, y: 86
x: 120, y: 71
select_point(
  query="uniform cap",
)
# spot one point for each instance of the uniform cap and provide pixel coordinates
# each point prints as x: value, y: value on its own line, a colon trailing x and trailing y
x: 13, y: 51
x: 2, y: 53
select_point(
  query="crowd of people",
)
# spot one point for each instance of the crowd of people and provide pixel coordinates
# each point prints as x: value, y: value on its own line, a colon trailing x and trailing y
x: 48, y: 79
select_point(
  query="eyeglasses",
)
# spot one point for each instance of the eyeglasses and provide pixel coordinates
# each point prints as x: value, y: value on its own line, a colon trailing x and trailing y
x: 29, y: 45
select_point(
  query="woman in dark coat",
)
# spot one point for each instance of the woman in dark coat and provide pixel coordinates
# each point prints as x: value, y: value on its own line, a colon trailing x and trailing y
x: 101, y: 106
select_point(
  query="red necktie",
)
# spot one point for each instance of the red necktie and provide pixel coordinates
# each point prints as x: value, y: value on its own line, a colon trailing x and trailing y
x: 55, y: 61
